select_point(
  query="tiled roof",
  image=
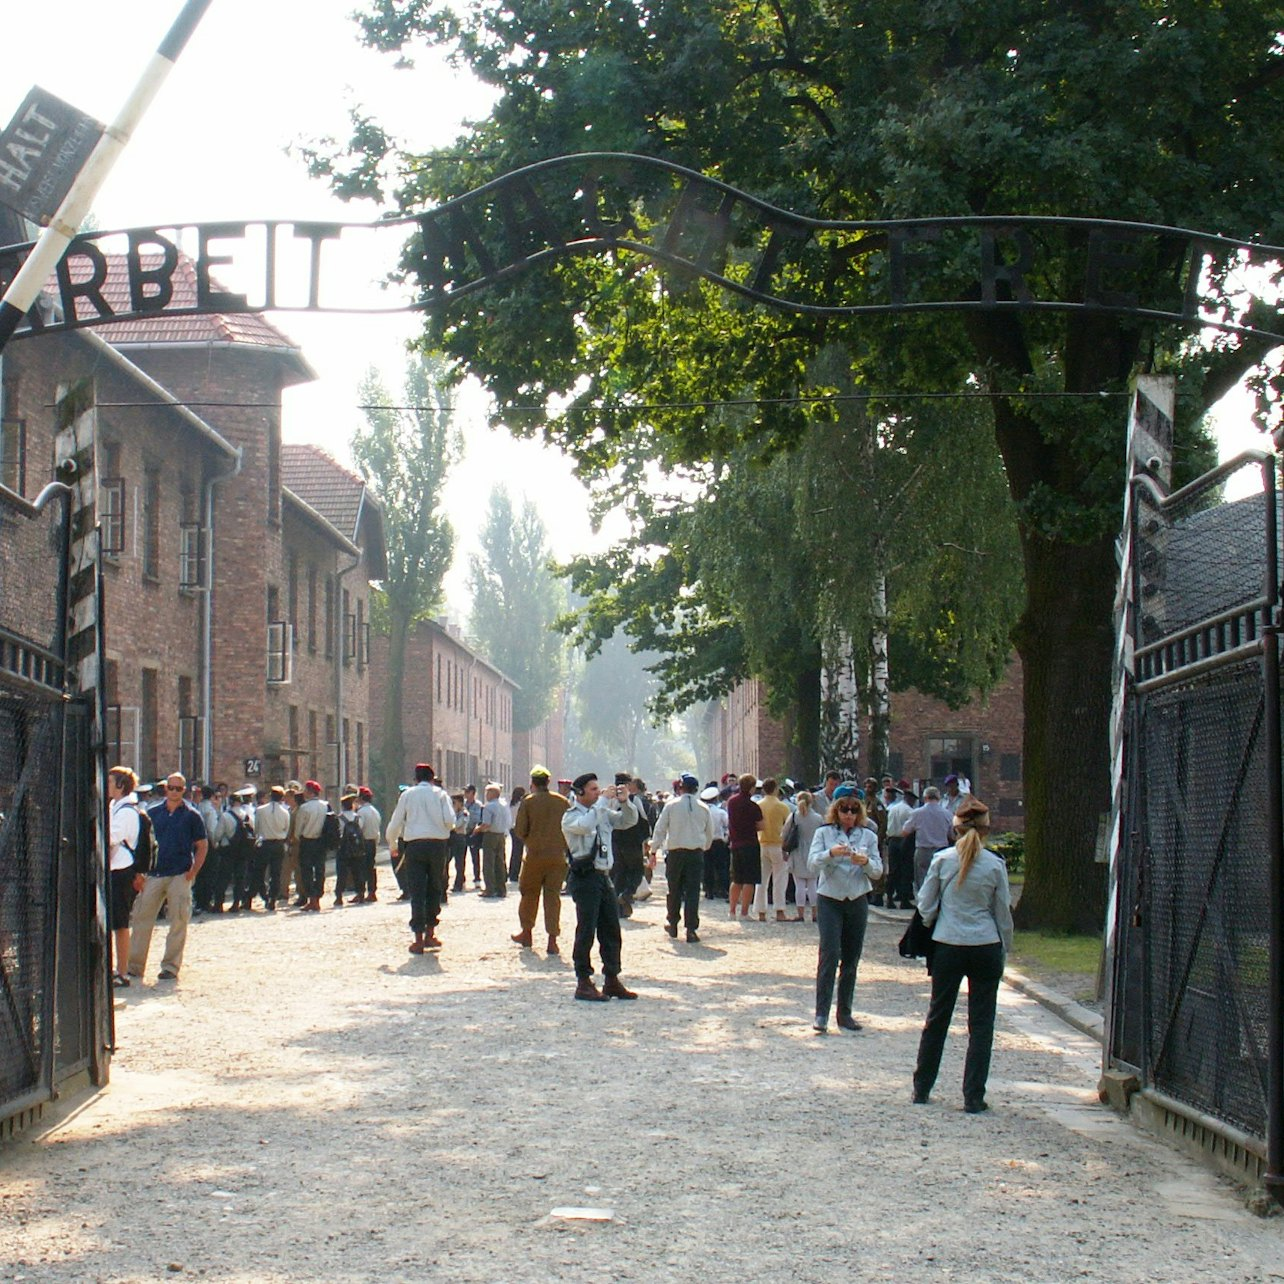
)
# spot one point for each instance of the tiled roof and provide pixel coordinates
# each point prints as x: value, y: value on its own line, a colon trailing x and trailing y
x: 244, y: 329
x: 323, y: 484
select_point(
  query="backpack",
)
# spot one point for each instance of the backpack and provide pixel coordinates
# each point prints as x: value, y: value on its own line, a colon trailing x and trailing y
x: 351, y: 844
x: 145, y: 848
x: 330, y: 835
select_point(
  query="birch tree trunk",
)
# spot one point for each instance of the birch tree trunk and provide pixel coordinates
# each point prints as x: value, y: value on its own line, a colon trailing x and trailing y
x: 880, y: 693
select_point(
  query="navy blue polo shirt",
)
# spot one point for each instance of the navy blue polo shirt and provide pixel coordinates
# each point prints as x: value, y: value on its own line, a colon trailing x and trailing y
x: 177, y: 833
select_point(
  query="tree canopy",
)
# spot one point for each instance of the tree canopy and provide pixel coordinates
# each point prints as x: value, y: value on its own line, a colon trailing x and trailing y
x: 515, y: 601
x: 1162, y: 111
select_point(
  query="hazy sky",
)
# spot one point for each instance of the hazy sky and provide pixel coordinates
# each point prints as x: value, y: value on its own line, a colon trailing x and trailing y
x: 257, y: 76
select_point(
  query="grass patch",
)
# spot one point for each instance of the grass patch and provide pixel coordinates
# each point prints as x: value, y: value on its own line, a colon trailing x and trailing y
x: 1041, y: 952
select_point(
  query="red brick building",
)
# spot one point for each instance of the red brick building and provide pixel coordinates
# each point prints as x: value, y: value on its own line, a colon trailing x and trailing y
x: 457, y: 709
x: 236, y: 571
x: 983, y: 741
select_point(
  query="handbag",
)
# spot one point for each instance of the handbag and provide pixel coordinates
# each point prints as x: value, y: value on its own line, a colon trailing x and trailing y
x: 790, y: 842
x: 917, y: 942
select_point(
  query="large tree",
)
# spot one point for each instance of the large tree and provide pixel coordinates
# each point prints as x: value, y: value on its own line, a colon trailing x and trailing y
x: 1155, y: 110
x: 404, y: 452
x: 515, y: 601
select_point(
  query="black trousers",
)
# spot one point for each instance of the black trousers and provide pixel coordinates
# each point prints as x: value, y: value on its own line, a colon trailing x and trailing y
x: 425, y: 874
x: 312, y: 866
x: 515, y: 849
x: 458, y: 849
x: 717, y: 870
x: 900, y: 876
x: 842, y: 937
x: 372, y: 870
x: 628, y: 869
x: 983, y: 967
x: 234, y: 870
x: 683, y: 867
x: 208, y: 879
x: 265, y: 872
x: 597, y: 914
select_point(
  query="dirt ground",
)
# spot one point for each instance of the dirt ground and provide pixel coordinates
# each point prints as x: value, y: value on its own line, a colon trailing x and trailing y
x: 312, y: 1103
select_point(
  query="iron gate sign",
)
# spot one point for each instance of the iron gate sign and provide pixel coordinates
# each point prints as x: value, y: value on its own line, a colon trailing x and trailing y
x: 41, y: 152
x: 693, y: 225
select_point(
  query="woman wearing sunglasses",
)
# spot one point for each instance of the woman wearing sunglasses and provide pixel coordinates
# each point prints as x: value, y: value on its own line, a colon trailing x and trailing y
x: 843, y: 859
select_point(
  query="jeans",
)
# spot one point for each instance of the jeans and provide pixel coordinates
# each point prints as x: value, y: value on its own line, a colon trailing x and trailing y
x: 597, y: 914
x: 425, y: 872
x: 983, y: 967
x: 457, y: 846
x: 842, y: 937
x: 683, y: 867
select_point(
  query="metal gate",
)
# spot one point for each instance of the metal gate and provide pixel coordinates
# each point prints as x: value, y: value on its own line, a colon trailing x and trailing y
x: 1192, y: 1000
x: 53, y: 1008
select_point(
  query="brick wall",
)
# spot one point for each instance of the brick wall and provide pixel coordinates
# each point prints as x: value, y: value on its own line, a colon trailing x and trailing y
x: 457, y: 710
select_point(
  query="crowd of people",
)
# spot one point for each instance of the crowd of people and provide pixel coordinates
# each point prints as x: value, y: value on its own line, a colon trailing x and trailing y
x: 763, y: 846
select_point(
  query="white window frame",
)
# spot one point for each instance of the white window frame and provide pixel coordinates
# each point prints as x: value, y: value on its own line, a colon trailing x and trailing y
x: 280, y: 653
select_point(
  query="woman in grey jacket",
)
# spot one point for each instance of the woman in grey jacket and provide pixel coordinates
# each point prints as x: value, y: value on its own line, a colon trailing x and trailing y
x: 965, y: 896
x: 844, y: 858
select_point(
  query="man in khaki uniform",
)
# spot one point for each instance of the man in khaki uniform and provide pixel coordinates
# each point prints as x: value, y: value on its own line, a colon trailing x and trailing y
x: 539, y: 826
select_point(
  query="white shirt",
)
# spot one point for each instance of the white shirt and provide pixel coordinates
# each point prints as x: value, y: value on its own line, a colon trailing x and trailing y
x: 272, y: 822
x: 123, y: 835
x: 897, y: 814
x: 684, y: 825
x: 311, y: 818
x: 721, y: 822
x: 423, y: 811
x: 371, y: 821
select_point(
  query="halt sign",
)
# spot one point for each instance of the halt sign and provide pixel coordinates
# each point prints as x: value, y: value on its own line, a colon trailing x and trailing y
x: 41, y: 152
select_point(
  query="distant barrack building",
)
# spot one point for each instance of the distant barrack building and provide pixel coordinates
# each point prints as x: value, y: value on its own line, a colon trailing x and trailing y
x: 929, y: 741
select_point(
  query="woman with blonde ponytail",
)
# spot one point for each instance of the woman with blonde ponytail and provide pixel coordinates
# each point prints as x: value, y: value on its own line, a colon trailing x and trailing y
x: 966, y: 901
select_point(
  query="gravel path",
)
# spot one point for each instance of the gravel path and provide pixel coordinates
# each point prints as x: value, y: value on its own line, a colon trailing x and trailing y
x: 312, y: 1103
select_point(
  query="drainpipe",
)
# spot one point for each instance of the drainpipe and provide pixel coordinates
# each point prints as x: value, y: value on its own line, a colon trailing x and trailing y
x: 340, y: 744
x: 207, y: 622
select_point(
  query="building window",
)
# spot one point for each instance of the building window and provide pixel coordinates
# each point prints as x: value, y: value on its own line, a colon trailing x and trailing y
x: 294, y: 748
x: 280, y: 652
x: 439, y: 679
x: 312, y: 608
x: 1009, y: 766
x: 361, y: 752
x: 13, y: 454
x: 329, y: 617
x: 147, y: 726
x: 292, y: 594
x: 349, y: 630
x: 274, y: 472
x: 346, y: 773
x: 191, y: 556
x: 151, y: 523
x: 313, y: 761
x: 122, y: 736
x: 190, y: 735
x: 949, y: 755
x: 111, y: 515
x: 896, y: 765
